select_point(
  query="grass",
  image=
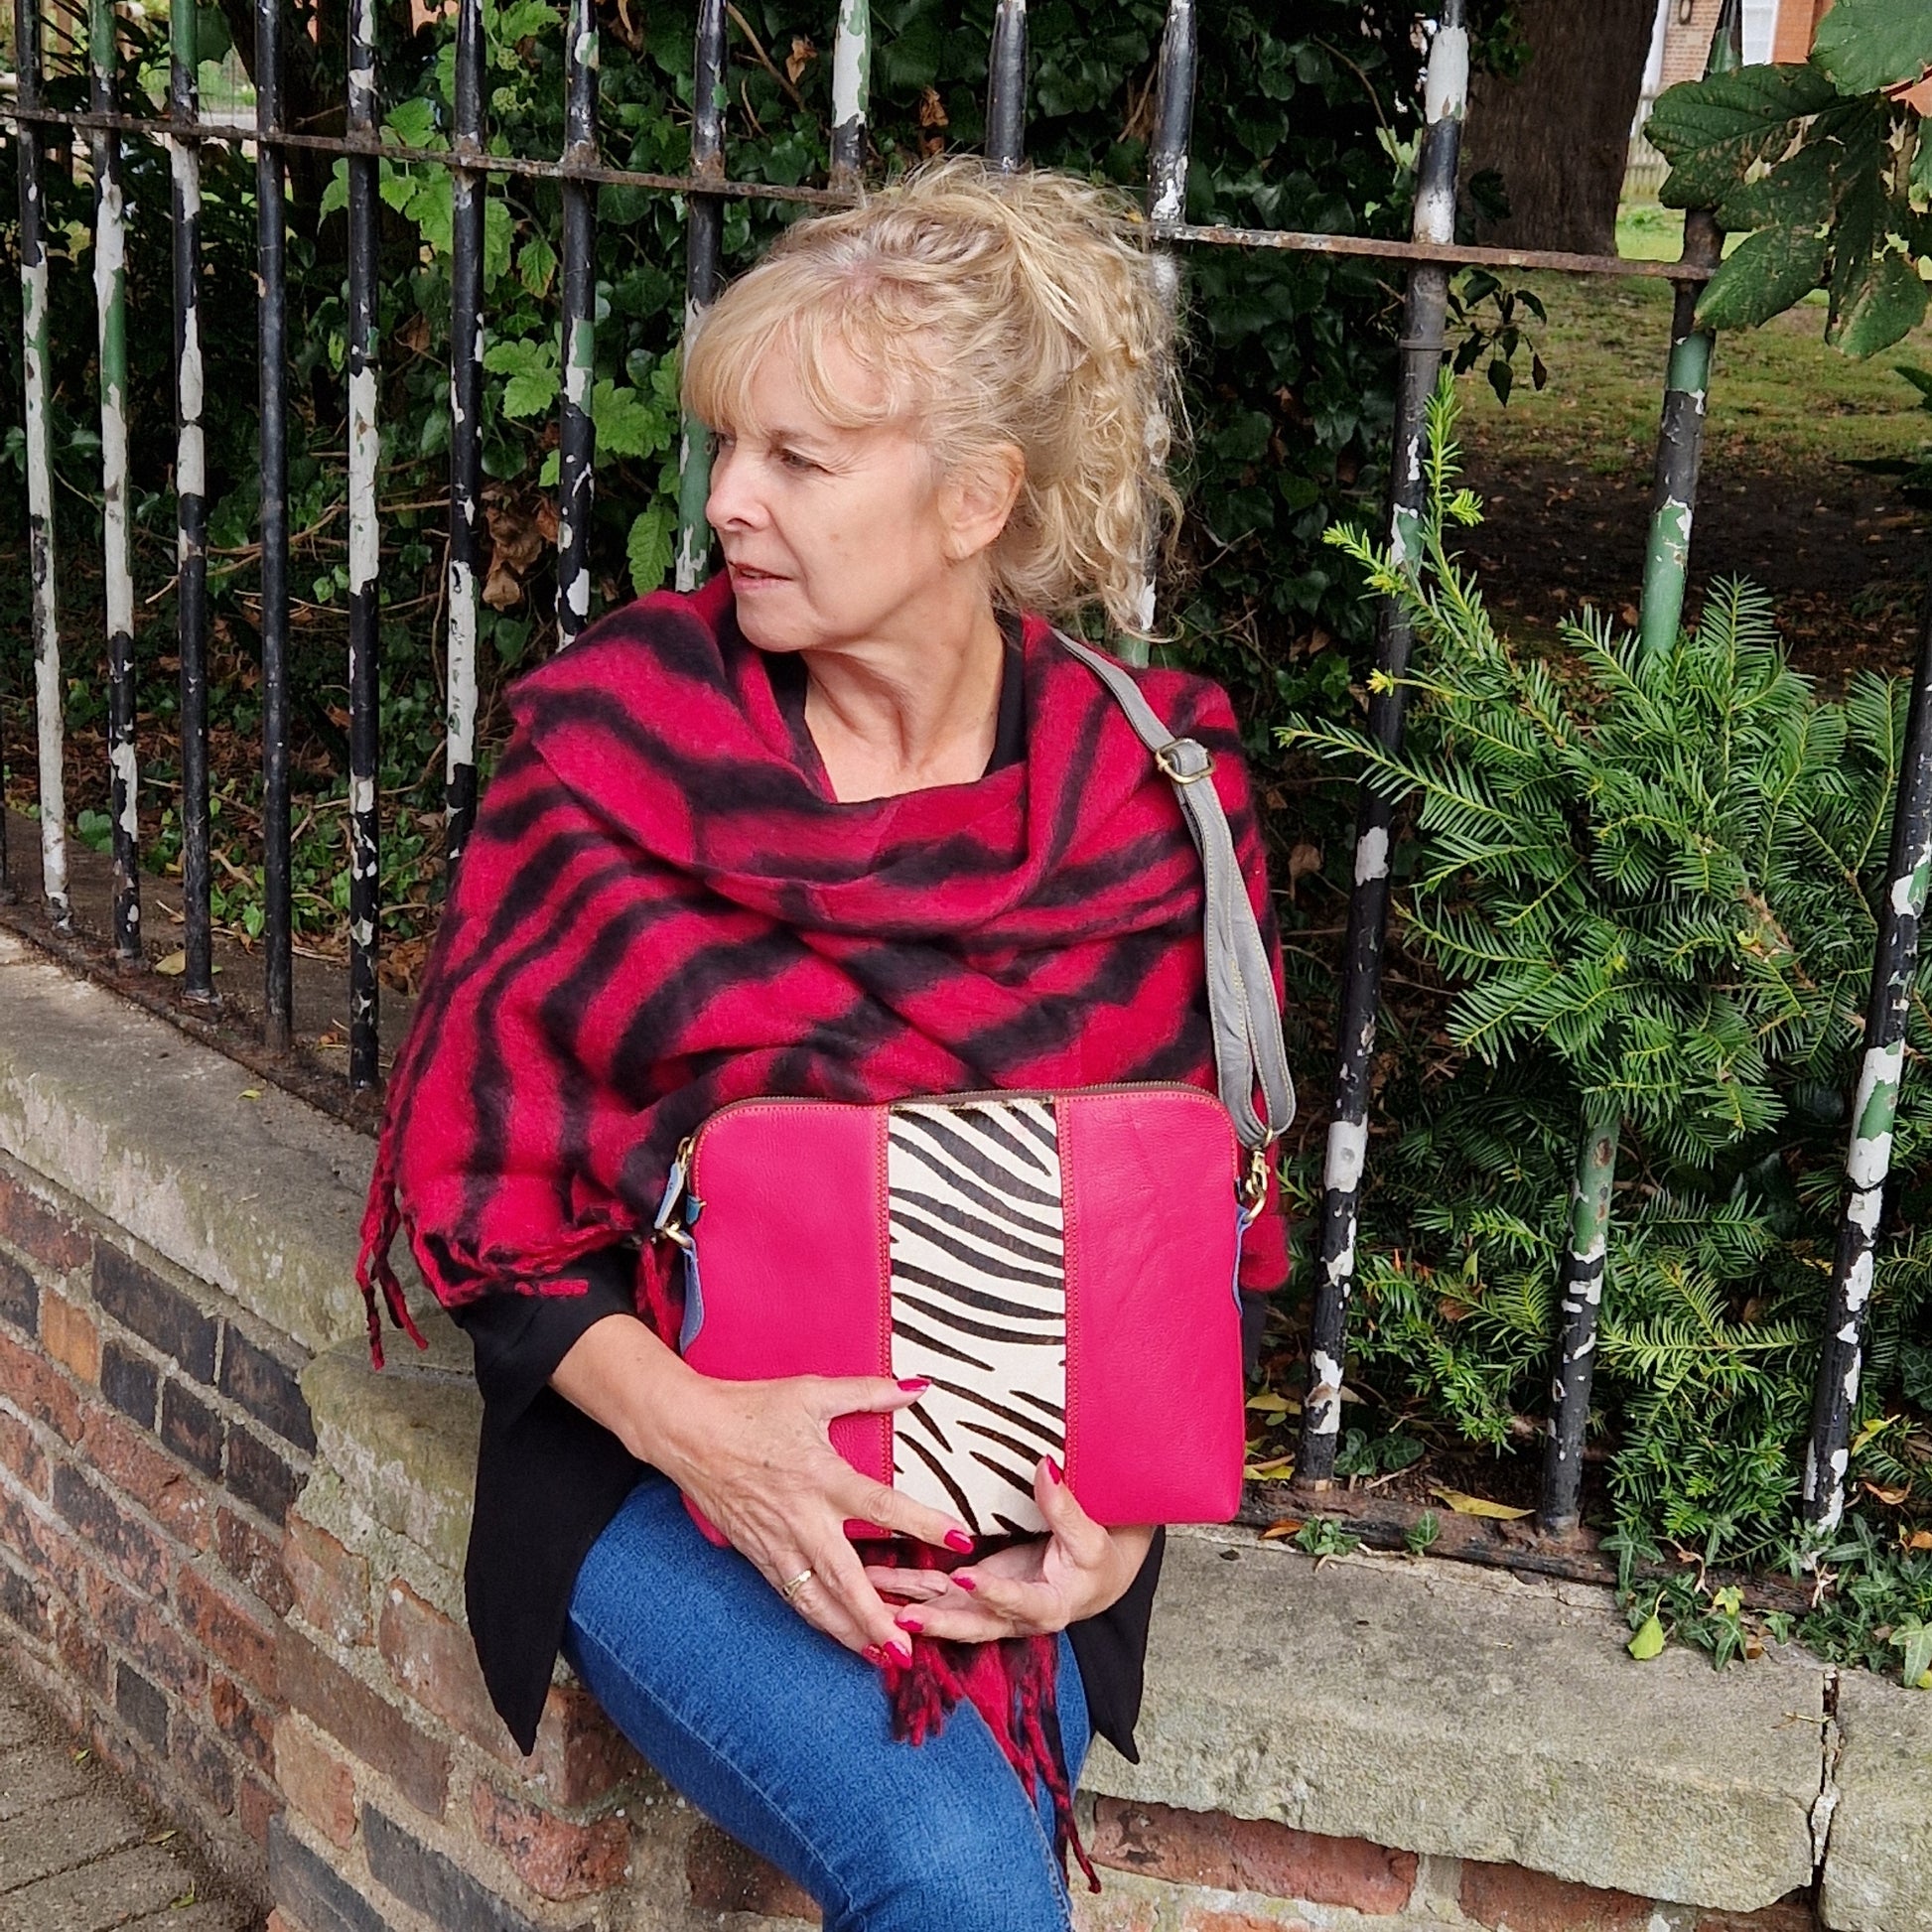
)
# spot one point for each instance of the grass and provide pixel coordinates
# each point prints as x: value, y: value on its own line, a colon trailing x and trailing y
x: 1781, y: 399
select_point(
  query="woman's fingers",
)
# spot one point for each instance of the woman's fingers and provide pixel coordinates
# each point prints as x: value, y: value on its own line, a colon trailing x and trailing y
x: 867, y: 1501
x: 858, y: 1395
x: 869, y: 1618
x: 1084, y: 1540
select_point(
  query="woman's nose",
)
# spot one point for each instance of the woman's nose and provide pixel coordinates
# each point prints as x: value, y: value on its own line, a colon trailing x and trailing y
x: 733, y: 502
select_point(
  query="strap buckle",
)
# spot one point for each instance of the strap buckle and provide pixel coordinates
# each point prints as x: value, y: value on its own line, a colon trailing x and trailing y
x: 1254, y: 1183
x: 1176, y: 759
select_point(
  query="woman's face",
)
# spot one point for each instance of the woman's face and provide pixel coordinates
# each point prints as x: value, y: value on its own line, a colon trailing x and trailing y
x: 837, y: 537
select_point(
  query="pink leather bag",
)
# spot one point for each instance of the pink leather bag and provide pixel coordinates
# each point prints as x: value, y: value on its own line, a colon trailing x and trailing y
x: 1060, y: 1265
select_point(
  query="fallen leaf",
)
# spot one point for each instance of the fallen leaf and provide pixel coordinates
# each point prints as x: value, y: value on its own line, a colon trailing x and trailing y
x: 1302, y: 859
x: 1281, y: 1526
x: 1887, y: 1494
x: 174, y: 964
x: 501, y: 591
x: 545, y: 519
x: 1648, y: 1641
x: 802, y: 54
x: 1915, y: 1539
x: 1468, y: 1505
x: 1267, y: 1403
x: 252, y: 1094
x: 1279, y: 1469
x: 932, y: 111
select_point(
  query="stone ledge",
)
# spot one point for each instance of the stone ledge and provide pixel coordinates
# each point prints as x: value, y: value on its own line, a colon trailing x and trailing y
x: 260, y: 1197
x: 1421, y: 1706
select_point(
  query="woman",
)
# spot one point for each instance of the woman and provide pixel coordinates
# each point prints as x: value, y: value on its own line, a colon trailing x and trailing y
x: 843, y: 823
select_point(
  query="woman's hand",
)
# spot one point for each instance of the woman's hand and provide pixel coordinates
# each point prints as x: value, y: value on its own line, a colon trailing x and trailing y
x: 756, y: 1459
x: 1029, y: 1589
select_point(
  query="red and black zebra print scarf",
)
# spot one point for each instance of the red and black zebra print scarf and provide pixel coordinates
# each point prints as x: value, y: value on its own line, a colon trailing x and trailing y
x: 662, y: 909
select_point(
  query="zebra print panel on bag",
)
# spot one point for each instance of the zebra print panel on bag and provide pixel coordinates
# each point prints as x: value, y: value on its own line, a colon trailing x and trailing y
x: 979, y: 1305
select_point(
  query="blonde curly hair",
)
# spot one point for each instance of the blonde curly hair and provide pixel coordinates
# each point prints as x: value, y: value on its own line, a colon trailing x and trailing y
x: 998, y: 309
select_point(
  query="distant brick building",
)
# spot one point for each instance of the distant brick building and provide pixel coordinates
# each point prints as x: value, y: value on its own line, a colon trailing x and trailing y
x: 1774, y: 30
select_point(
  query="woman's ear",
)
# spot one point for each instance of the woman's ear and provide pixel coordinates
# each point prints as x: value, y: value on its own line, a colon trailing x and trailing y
x: 978, y: 498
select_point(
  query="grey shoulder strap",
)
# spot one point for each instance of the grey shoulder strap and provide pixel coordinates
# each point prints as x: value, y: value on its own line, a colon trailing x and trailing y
x: 1249, y: 1055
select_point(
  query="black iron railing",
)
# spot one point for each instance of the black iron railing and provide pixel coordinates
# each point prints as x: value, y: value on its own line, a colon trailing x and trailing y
x: 1430, y: 254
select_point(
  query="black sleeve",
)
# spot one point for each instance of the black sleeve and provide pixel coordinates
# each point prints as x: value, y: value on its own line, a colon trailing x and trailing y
x: 548, y: 1481
x: 520, y: 1339
x: 1254, y: 1321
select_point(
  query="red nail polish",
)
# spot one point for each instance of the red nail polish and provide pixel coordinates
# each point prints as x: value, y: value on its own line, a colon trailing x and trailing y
x: 961, y: 1541
x: 916, y: 1383
x: 965, y: 1582
x: 1054, y: 1474
x: 900, y: 1654
x: 909, y: 1625
x: 873, y: 1655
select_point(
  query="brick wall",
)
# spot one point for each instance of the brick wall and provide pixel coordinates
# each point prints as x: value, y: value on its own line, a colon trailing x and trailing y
x: 151, y: 1437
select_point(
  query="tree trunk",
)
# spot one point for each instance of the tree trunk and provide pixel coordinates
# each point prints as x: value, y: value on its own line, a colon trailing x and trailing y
x: 1559, y: 133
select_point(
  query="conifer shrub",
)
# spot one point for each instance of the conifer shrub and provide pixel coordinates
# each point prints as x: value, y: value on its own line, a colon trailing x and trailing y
x: 1643, y: 884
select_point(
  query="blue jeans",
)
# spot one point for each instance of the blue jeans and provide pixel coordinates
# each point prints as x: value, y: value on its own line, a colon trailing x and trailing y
x: 785, y: 1739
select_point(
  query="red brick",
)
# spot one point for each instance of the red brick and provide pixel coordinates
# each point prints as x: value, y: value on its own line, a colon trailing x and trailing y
x: 253, y: 1558
x: 725, y: 1878
x: 330, y: 1585
x: 229, y: 1630
x: 39, y: 1230
x: 135, y: 1625
x: 555, y: 1858
x: 70, y: 1336
x: 1793, y: 1914
x: 372, y: 1727
x: 1200, y: 1921
x: 35, y: 1385
x: 318, y: 1785
x: 203, y: 1763
x: 580, y: 1753
x: 434, y: 1660
x: 1194, y: 1848
x: 258, y: 1806
x: 134, y: 1465
x: 112, y: 1528
x: 1507, y: 1898
x: 82, y: 1653
x: 245, y: 1724
x: 20, y: 1450
x: 1110, y: 1911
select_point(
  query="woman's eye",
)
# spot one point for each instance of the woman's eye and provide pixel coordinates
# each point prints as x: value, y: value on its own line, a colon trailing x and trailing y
x: 793, y: 460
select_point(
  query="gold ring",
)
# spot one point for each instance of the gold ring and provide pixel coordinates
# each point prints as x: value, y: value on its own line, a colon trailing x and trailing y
x: 789, y: 1591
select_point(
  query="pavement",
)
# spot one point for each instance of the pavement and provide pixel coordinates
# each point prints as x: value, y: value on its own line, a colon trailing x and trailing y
x: 80, y: 1851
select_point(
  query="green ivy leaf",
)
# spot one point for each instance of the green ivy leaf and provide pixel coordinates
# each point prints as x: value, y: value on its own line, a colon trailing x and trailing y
x: 1649, y: 1640
x: 335, y: 194
x: 626, y: 424
x: 1865, y: 44
x: 532, y: 372
x: 499, y: 230
x: 536, y: 263
x: 1883, y: 307
x: 649, y: 547
x: 1714, y: 132
x: 1762, y: 277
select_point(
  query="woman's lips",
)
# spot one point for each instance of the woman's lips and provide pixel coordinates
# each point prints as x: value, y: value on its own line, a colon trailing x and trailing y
x: 748, y: 577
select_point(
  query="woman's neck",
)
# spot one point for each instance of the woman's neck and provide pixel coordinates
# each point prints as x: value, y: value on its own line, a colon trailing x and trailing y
x: 892, y: 717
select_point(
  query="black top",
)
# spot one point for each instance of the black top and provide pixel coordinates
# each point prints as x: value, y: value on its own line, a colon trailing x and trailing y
x: 549, y: 1478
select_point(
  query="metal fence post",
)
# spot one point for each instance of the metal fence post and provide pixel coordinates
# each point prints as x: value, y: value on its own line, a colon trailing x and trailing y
x: 1680, y: 438
x: 1875, y: 1109
x: 271, y: 231
x: 576, y: 429
x: 191, y: 501
x: 1166, y: 195
x: 1005, y: 88
x: 851, y: 93
x: 48, y: 726
x: 1680, y: 447
x: 110, y: 309
x: 365, y: 563
x: 469, y: 190
x: 1424, y: 329
x: 703, y: 249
